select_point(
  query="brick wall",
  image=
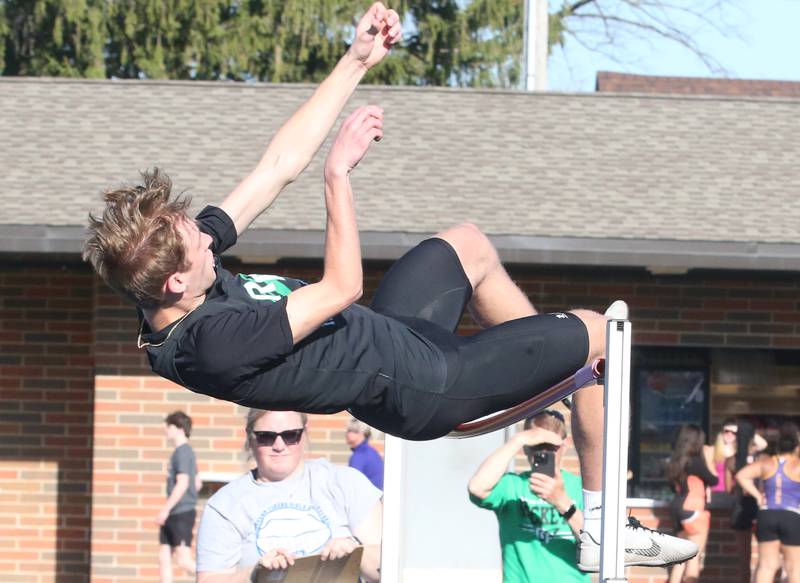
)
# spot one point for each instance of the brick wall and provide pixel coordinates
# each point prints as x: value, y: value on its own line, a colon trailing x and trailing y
x: 79, y: 442
x: 627, y: 83
x: 45, y: 423
x: 701, y: 308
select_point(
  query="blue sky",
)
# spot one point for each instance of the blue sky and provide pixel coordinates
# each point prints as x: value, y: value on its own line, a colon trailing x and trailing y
x: 764, y: 44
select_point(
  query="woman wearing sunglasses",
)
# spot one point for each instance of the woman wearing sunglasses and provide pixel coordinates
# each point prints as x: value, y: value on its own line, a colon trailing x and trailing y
x: 287, y: 507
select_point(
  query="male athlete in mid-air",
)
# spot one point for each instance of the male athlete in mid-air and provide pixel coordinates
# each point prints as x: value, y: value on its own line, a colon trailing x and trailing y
x: 279, y: 344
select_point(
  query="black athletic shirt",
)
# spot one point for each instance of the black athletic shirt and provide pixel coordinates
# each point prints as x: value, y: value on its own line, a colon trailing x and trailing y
x: 696, y: 466
x: 237, y: 345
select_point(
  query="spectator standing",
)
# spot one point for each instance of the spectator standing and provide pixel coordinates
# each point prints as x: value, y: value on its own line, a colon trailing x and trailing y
x: 724, y: 448
x: 177, y: 515
x: 691, y: 472
x: 287, y: 507
x: 778, y: 520
x: 540, y: 516
x: 365, y: 458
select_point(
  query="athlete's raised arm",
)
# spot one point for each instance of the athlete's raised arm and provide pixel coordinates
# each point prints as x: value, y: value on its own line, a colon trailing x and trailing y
x: 341, y: 284
x: 295, y: 144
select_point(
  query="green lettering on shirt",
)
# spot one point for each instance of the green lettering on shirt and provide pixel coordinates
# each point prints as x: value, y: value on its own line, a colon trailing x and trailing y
x: 265, y: 287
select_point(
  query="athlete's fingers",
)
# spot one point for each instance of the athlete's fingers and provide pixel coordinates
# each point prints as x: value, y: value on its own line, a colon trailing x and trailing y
x: 365, y: 111
x: 542, y: 479
x: 375, y: 134
x: 394, y: 34
x: 392, y: 17
x: 378, y: 11
x: 354, y: 119
x: 371, y: 122
x: 371, y: 21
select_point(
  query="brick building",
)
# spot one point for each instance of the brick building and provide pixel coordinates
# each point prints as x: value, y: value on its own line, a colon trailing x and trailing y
x: 682, y: 205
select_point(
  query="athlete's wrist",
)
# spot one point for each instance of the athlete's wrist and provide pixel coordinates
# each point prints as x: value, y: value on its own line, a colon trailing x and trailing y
x: 563, y: 504
x: 569, y: 511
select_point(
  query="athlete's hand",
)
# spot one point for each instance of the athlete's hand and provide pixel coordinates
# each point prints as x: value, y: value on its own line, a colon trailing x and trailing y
x: 275, y: 559
x: 376, y: 32
x: 537, y: 435
x: 161, y: 519
x: 358, y: 131
x: 336, y: 548
x: 550, y: 489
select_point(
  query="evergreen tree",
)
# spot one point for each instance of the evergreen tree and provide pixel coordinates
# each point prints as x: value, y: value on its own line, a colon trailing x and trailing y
x: 475, y: 43
x: 51, y: 37
x: 167, y: 39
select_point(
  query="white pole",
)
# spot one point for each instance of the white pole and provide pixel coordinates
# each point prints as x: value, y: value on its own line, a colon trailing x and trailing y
x: 393, y: 484
x: 535, y: 45
x: 615, y: 449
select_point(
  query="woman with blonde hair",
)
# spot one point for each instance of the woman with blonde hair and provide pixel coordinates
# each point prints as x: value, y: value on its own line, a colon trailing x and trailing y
x: 287, y: 507
x: 724, y: 448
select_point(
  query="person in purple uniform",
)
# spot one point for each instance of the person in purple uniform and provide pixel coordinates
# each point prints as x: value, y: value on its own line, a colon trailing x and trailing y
x: 365, y: 458
x: 778, y: 520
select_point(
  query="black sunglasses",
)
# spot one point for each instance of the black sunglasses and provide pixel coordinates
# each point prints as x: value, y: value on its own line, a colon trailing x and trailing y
x: 289, y: 437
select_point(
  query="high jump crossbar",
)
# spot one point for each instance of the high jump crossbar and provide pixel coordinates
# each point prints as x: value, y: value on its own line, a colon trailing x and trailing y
x: 614, y: 373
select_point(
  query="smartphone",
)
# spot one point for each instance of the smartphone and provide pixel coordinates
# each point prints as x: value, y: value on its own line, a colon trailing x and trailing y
x: 543, y: 462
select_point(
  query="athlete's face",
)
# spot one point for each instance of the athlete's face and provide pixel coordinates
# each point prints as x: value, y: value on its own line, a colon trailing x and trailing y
x: 200, y: 274
x: 279, y: 460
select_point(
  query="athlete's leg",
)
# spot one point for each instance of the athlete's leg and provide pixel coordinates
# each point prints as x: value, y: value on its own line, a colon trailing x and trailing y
x: 504, y: 365
x: 165, y: 563
x: 183, y: 555
x: 692, y: 574
x: 769, y: 561
x: 791, y: 562
x: 496, y: 298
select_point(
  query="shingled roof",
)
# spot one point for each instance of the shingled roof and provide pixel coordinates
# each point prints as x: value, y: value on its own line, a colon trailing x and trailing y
x: 607, y: 179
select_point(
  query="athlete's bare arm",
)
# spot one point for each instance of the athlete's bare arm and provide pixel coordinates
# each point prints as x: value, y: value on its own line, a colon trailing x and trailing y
x: 341, y: 284
x: 295, y: 144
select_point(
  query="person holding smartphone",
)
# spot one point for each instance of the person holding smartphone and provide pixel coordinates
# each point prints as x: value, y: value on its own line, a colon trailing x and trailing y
x: 539, y: 511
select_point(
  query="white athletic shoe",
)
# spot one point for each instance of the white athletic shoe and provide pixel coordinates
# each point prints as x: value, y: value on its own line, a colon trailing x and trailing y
x: 643, y: 546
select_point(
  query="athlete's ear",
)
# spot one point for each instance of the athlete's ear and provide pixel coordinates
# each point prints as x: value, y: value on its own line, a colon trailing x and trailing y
x: 175, y: 284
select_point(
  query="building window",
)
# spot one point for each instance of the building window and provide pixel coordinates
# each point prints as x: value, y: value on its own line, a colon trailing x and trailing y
x: 668, y: 388
x: 672, y: 386
x: 665, y: 400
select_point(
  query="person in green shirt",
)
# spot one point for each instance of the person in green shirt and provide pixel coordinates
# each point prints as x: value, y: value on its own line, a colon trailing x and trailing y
x: 540, y: 516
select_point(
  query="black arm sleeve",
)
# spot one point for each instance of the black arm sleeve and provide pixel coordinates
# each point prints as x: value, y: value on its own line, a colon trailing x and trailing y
x: 214, y: 221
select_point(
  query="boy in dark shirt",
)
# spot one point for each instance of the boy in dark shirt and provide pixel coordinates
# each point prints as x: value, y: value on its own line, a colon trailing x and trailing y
x: 176, y: 518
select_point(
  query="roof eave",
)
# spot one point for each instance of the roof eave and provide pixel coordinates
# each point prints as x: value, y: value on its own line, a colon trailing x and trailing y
x: 268, y: 245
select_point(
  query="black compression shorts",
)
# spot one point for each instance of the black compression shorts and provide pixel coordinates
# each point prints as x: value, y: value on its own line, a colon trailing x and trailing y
x: 782, y: 525
x: 489, y: 371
